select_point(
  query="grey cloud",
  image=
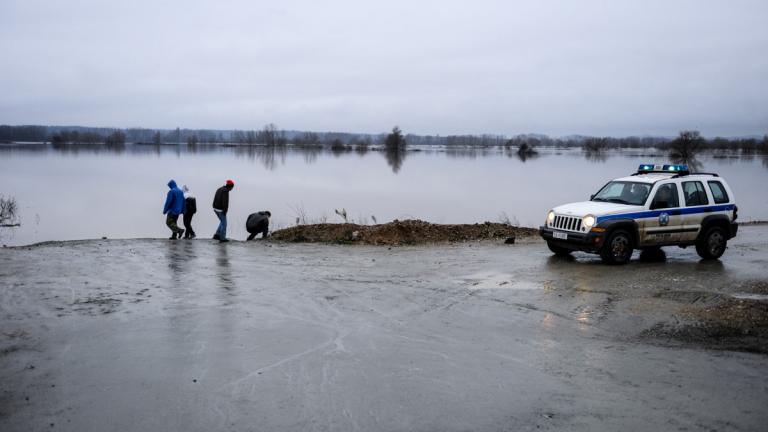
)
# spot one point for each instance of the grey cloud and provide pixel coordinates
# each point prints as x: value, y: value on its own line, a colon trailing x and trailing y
x: 557, y: 67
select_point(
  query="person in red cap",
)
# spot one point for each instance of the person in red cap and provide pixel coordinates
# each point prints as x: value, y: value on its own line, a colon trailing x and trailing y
x: 220, y: 207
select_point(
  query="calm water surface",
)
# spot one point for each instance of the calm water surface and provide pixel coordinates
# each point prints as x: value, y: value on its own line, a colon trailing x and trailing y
x: 78, y: 192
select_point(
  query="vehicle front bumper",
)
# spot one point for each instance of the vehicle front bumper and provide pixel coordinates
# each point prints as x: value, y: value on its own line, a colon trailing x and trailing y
x: 734, y: 229
x: 587, y: 242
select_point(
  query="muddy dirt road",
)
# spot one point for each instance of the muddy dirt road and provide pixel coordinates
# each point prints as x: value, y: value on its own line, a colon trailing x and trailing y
x: 138, y: 335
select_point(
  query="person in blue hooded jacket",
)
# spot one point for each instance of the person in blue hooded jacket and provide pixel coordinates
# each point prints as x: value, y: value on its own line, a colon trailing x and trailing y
x: 174, y: 206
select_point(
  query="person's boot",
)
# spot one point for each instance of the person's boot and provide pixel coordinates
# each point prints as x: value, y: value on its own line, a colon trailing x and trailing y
x: 172, y: 237
x: 223, y: 240
x: 180, y: 232
x: 193, y: 235
x: 216, y: 237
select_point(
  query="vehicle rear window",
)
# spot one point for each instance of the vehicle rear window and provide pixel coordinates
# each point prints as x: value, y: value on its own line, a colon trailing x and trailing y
x: 718, y: 192
x: 694, y: 194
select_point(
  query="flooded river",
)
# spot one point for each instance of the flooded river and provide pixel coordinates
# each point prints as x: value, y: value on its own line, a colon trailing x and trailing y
x: 77, y: 192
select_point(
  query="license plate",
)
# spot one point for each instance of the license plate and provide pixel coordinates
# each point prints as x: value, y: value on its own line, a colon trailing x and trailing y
x: 560, y: 235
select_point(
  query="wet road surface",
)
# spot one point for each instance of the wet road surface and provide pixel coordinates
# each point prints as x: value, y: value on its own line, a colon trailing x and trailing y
x: 137, y: 335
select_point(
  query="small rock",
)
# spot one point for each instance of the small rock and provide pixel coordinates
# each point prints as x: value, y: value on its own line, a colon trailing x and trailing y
x: 510, y: 240
x: 103, y: 238
x: 194, y: 380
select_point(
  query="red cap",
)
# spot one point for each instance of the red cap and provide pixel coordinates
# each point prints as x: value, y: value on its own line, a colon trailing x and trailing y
x: 230, y: 183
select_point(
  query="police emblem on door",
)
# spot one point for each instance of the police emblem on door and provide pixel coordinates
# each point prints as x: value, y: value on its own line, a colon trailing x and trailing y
x: 663, y: 219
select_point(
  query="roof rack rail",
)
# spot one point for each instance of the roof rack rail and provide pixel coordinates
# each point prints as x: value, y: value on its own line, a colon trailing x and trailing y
x: 695, y: 173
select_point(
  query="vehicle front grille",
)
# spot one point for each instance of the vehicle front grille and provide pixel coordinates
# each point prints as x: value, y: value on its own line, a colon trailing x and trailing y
x: 567, y: 223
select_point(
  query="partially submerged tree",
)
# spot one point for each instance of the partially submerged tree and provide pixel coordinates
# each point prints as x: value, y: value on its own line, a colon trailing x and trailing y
x: 395, y: 139
x: 686, y: 145
x: 8, y: 211
x: 394, y: 148
x: 595, y: 144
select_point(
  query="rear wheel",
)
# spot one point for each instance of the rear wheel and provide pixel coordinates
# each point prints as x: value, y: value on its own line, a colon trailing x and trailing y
x: 618, y: 248
x: 557, y: 250
x: 712, y: 244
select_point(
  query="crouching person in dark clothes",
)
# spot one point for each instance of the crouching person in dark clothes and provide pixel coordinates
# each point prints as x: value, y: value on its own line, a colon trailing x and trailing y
x: 258, y: 223
x: 190, y: 208
x: 174, y: 206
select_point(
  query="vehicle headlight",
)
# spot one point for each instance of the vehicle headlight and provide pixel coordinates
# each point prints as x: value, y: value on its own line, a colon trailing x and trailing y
x: 550, y: 217
x: 588, y: 221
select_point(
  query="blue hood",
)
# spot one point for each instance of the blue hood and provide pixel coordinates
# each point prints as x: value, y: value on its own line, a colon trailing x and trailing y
x: 174, y: 200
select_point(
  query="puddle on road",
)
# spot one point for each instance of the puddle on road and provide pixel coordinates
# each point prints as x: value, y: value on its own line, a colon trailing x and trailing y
x: 491, y: 280
x: 747, y: 296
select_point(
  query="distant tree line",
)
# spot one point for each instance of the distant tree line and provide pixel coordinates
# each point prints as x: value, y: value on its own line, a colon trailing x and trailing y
x: 271, y: 135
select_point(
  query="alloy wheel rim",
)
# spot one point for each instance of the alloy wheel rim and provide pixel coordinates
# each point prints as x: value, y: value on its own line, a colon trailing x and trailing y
x: 619, y: 247
x: 715, y: 243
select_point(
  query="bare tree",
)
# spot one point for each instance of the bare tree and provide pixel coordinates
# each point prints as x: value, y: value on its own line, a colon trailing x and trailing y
x: 686, y: 145
x: 8, y: 211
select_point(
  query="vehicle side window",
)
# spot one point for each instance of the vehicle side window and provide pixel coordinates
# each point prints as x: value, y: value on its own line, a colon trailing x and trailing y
x: 666, y: 197
x: 718, y: 192
x: 694, y: 194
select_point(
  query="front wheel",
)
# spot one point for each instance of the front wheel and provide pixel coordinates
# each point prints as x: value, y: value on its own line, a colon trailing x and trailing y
x: 557, y: 250
x: 618, y: 248
x: 712, y: 244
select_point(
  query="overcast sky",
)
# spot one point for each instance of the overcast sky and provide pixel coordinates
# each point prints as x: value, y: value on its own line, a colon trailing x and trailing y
x: 433, y: 67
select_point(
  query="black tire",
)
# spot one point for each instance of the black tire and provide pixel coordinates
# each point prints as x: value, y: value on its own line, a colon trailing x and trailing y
x: 617, y: 249
x: 557, y: 250
x: 712, y: 244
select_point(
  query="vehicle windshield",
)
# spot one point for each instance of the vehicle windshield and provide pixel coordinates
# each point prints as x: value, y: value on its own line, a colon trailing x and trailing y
x: 624, y: 192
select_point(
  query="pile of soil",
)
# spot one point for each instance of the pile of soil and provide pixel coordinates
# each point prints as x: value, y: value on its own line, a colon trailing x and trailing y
x: 725, y: 323
x: 407, y: 232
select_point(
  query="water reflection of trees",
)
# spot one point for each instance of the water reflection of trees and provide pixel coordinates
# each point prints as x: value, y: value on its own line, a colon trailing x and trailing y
x: 273, y: 156
x: 395, y: 157
x: 269, y: 156
x: 595, y: 156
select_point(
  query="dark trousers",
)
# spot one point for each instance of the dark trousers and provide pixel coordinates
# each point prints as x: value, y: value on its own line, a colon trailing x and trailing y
x: 188, y: 225
x: 171, y: 221
x: 263, y: 232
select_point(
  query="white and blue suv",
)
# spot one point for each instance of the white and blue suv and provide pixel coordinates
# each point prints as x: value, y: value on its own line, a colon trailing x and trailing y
x: 659, y: 205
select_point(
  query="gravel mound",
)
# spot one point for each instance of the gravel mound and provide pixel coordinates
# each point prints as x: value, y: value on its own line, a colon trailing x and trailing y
x: 407, y: 232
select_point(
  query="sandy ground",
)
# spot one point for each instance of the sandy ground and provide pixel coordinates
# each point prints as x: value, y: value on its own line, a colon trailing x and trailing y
x: 140, y: 335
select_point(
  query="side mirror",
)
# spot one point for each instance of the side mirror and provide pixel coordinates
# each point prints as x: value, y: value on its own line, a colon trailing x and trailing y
x: 591, y: 197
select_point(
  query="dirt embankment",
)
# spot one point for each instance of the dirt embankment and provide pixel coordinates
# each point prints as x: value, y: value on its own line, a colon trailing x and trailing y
x: 720, y: 321
x: 407, y: 232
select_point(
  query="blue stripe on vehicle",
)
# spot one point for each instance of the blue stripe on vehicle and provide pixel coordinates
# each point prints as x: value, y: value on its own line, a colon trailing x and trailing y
x: 656, y: 213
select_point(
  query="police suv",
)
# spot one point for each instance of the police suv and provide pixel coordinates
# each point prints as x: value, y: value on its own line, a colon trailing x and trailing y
x: 659, y: 205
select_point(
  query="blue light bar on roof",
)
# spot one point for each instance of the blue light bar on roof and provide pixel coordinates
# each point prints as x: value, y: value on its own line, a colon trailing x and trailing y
x: 675, y: 168
x: 667, y: 168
